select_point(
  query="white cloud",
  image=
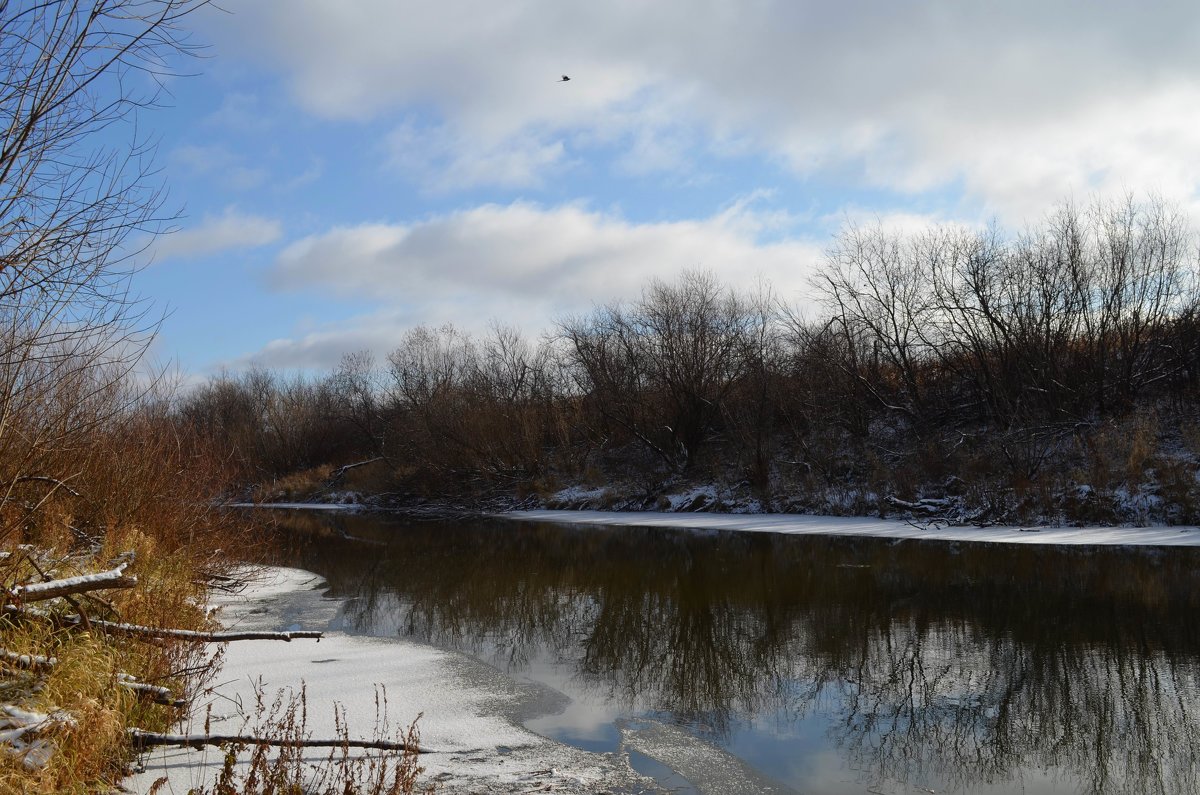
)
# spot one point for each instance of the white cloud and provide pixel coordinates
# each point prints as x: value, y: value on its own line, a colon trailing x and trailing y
x: 219, y: 164
x: 314, y: 171
x: 322, y: 350
x: 522, y: 264
x: 1016, y: 103
x: 567, y: 255
x: 230, y: 230
x: 241, y: 112
x: 444, y: 159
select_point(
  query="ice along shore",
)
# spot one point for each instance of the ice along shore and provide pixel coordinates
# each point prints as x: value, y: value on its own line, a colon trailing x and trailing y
x: 801, y: 524
x: 471, y: 711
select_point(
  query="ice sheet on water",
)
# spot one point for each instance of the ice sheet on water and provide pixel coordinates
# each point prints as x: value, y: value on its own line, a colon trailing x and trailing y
x: 798, y: 524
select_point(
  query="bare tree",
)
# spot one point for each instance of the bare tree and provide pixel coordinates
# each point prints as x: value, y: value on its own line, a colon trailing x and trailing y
x: 358, y: 388
x: 875, y: 287
x: 78, y: 201
x: 663, y: 368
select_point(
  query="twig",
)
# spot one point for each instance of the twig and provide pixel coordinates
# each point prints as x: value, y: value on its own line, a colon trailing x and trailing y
x: 341, y: 471
x: 58, y: 484
x: 36, y: 662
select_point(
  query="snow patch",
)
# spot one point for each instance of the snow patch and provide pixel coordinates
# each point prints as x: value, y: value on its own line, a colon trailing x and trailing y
x: 466, y: 705
x: 297, y: 506
x: 795, y: 524
x: 578, y: 495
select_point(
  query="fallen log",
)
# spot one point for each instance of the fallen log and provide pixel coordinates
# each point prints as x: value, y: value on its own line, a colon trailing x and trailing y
x: 144, y: 739
x: 928, y: 506
x: 104, y: 580
x: 156, y: 693
x: 140, y: 632
x: 158, y: 633
x: 36, y: 662
x: 32, y: 662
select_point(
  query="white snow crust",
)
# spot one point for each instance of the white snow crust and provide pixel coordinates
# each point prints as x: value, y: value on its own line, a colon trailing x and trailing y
x: 466, y: 706
x: 798, y: 524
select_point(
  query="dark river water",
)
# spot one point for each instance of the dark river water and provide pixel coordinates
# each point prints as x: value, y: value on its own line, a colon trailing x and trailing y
x: 826, y: 665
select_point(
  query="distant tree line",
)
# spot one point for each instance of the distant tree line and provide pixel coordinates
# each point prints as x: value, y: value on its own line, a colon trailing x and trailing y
x: 1066, y: 355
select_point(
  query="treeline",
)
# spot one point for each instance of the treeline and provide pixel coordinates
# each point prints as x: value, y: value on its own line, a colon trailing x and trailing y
x: 1014, y: 373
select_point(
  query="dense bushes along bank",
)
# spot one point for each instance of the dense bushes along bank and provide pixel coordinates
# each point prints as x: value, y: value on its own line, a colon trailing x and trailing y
x: 1049, y: 374
x: 96, y: 472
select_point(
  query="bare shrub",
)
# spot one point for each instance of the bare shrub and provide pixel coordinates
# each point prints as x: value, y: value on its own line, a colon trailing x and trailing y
x: 662, y: 369
x: 282, y: 765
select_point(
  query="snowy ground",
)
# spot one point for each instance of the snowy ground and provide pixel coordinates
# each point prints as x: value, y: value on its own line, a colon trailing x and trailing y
x: 796, y: 524
x: 471, y: 711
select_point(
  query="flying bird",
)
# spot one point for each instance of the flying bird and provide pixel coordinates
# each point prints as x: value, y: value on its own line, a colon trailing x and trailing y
x: 565, y: 78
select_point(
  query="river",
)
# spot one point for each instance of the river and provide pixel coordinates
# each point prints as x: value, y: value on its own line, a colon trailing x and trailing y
x: 821, y: 664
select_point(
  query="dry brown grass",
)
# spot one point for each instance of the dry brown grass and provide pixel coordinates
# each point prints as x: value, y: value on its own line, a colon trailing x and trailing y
x: 285, y: 768
x: 295, y: 487
x: 135, y: 484
x: 92, y: 750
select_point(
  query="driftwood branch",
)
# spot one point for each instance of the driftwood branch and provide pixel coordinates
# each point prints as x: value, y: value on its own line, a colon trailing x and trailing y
x: 32, y: 662
x: 71, y: 600
x: 927, y: 505
x: 156, y: 693
x: 152, y: 634
x: 104, y: 580
x: 36, y: 662
x: 341, y: 471
x: 157, y: 633
x: 145, y: 739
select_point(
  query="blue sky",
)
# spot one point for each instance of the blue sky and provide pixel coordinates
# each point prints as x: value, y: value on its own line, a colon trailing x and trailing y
x: 347, y: 170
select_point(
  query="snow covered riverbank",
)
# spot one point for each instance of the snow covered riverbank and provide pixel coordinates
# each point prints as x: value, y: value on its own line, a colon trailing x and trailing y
x: 798, y: 524
x: 471, y: 711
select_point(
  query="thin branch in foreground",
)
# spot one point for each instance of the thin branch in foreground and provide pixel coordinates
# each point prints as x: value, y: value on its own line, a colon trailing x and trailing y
x: 157, y: 633
x: 33, y: 662
x: 144, y: 739
x: 156, y: 693
x: 37, y: 662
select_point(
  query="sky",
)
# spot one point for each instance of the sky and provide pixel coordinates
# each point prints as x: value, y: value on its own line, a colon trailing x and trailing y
x: 346, y: 171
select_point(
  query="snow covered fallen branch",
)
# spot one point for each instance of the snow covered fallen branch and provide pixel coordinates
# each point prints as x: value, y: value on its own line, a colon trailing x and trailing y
x: 40, y: 591
x: 36, y: 662
x: 157, y: 633
x: 145, y: 739
x: 925, y: 505
x: 156, y: 693
x: 33, y: 662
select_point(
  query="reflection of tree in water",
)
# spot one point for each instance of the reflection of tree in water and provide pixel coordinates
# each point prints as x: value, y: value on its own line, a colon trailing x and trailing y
x: 956, y: 665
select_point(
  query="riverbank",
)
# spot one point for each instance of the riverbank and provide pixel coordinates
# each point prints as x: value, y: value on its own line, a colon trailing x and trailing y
x: 1082, y: 515
x: 471, y: 712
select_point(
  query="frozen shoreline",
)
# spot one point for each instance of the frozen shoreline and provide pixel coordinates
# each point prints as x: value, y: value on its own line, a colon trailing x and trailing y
x: 806, y: 524
x: 298, y: 506
x: 469, y: 708
x: 800, y: 524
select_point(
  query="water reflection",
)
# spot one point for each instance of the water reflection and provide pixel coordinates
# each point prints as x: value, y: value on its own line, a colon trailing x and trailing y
x: 923, y: 665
